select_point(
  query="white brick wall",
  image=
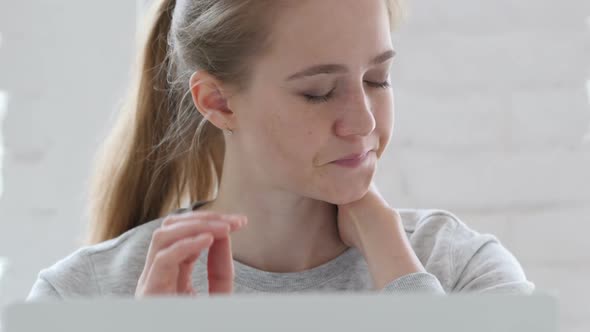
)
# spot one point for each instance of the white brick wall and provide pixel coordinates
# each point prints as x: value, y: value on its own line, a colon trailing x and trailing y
x: 472, y: 180
x: 63, y: 64
x: 492, y: 110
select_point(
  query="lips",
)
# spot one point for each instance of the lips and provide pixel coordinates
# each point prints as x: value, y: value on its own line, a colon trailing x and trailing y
x: 354, y: 156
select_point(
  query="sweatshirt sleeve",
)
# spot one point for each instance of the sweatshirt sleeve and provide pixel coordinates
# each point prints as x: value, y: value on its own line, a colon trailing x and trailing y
x: 419, y: 282
x: 71, y: 277
x: 482, y: 264
x: 42, y: 290
x: 459, y: 259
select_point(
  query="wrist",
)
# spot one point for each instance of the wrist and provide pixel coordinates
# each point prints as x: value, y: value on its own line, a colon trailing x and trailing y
x: 388, y: 252
x: 382, y: 229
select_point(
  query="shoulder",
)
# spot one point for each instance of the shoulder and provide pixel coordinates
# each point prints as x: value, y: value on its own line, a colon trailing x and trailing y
x: 461, y: 257
x: 432, y: 230
x: 428, y: 220
x: 108, y: 268
x: 431, y: 233
x: 436, y: 225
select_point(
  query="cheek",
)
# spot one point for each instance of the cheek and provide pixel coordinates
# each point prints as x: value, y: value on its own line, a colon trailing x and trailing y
x: 384, y: 118
x: 283, y: 140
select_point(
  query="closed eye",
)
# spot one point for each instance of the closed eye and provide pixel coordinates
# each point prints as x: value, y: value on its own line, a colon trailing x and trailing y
x: 382, y: 85
x: 319, y: 99
x: 325, y: 98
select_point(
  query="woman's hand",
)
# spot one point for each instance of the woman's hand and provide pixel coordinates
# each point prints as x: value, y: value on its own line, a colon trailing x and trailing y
x: 376, y: 229
x: 355, y: 218
x: 176, y: 246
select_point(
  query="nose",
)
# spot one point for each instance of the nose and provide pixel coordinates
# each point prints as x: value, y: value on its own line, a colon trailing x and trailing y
x: 357, y: 118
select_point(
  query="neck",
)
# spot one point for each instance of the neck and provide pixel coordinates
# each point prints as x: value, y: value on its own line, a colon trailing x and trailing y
x: 285, y: 232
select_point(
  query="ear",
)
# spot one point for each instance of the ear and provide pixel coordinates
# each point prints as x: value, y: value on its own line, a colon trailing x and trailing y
x: 209, y: 98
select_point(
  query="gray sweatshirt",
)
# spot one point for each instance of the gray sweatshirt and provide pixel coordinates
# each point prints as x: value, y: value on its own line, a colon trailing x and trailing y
x: 456, y: 259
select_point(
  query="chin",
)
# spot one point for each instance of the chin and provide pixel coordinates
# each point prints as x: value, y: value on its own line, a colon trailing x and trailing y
x: 337, y: 190
x: 346, y: 195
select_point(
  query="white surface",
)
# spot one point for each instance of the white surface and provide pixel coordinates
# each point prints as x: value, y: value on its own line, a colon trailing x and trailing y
x: 3, y: 102
x: 285, y: 312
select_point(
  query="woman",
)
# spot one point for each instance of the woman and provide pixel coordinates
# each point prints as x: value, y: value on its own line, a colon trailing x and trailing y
x: 291, y: 102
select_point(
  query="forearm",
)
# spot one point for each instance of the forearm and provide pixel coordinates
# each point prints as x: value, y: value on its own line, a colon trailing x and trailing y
x: 387, y: 250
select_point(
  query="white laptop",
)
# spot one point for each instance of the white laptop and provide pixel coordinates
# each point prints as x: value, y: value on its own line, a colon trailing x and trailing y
x: 340, y: 312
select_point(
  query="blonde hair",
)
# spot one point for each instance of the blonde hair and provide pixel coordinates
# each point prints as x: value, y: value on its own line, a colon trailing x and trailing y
x: 161, y: 148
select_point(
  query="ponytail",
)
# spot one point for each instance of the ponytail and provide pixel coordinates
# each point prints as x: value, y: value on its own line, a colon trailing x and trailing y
x: 139, y: 174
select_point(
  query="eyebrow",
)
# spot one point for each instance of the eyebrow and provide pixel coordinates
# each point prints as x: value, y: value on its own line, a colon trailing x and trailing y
x: 337, y: 68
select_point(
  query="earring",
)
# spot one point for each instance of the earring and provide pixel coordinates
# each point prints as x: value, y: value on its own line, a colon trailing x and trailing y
x: 229, y: 131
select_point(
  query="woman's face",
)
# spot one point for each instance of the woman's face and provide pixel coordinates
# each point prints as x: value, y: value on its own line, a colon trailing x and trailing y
x: 294, y: 122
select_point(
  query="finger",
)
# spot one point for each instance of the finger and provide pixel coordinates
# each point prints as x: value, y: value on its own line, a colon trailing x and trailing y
x: 164, y: 272
x: 220, y: 267
x: 185, y: 276
x: 164, y: 237
x: 234, y: 219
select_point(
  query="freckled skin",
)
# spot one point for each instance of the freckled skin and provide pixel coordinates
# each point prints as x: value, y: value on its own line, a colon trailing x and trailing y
x: 292, y: 147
